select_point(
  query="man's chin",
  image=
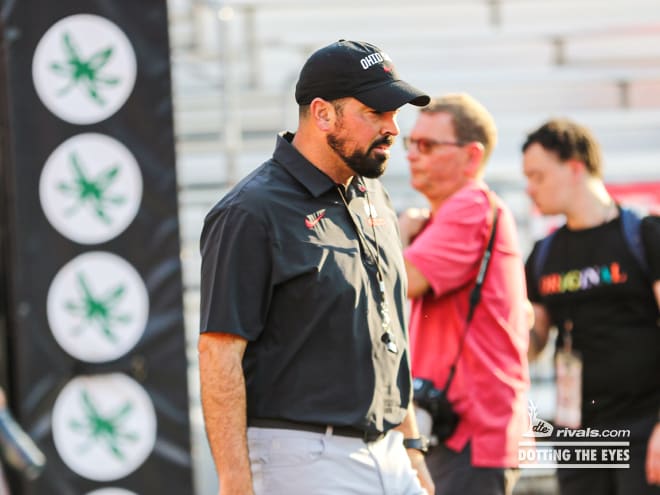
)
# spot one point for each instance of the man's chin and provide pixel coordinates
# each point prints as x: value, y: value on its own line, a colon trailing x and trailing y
x: 375, y: 171
x: 382, y: 153
x: 372, y: 169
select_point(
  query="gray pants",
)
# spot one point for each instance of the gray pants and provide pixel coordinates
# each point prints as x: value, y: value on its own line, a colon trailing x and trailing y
x: 453, y: 474
x: 293, y: 462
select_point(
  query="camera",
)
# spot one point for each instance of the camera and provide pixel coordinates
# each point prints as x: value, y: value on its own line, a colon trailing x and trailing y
x: 435, y: 401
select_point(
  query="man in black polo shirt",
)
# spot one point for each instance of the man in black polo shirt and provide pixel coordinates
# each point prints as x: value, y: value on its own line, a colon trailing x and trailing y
x: 304, y: 362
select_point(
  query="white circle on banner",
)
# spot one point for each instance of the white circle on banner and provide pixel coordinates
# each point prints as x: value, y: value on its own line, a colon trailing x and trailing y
x: 97, y: 307
x: 84, y: 68
x: 104, y: 426
x: 90, y: 188
x: 111, y: 491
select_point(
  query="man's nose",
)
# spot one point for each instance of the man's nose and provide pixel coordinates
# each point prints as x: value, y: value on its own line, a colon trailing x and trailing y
x: 530, y: 189
x: 390, y: 125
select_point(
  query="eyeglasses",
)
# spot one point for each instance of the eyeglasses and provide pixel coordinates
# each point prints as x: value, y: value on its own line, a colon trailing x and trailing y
x: 426, y: 146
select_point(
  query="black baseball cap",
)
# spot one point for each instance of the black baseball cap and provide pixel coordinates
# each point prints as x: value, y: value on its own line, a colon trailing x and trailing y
x: 357, y: 69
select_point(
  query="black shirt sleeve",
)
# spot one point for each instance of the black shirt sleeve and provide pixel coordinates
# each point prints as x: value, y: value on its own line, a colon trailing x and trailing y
x: 236, y: 273
x: 651, y: 240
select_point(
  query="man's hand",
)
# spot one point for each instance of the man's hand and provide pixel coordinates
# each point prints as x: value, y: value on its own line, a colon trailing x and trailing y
x: 411, y: 223
x: 653, y: 457
x: 409, y: 430
x: 419, y: 464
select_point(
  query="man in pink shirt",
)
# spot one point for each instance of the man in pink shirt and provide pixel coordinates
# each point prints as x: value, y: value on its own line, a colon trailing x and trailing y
x: 448, y: 149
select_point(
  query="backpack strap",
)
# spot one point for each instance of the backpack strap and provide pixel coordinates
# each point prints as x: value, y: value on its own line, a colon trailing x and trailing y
x: 542, y: 251
x: 631, y: 223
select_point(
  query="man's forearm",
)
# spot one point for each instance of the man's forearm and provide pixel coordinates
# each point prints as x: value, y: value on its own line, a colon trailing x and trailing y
x: 540, y: 331
x: 223, y: 403
x: 409, y: 425
x: 409, y: 429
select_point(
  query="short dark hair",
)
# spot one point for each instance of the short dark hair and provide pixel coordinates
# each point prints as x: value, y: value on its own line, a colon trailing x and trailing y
x: 569, y: 141
x: 338, y: 105
x: 471, y: 120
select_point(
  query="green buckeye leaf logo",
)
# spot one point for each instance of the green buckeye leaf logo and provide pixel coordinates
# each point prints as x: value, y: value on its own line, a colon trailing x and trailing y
x: 104, y: 426
x: 90, y: 188
x: 84, y: 68
x: 97, y: 307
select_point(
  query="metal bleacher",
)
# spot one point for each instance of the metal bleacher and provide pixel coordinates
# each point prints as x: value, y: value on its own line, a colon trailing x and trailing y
x: 235, y: 64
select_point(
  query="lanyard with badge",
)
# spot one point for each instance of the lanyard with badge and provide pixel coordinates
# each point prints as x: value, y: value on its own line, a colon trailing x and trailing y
x: 569, y: 380
x: 383, y: 307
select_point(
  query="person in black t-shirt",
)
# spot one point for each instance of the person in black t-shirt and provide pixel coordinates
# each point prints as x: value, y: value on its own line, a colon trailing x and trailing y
x: 304, y: 364
x: 604, y: 304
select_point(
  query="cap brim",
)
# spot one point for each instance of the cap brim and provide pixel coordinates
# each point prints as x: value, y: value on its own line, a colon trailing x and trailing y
x: 390, y: 96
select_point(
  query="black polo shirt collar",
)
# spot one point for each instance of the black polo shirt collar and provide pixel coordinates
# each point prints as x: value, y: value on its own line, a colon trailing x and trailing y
x: 301, y: 169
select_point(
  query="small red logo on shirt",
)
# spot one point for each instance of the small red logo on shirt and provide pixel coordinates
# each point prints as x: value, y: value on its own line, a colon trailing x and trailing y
x: 314, y: 218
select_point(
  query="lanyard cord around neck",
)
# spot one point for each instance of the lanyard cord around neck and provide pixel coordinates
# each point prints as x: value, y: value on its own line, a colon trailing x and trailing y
x: 375, y: 256
x: 387, y: 337
x: 475, y: 294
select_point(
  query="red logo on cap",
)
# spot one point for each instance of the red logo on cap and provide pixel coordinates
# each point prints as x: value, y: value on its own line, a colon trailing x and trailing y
x: 387, y: 69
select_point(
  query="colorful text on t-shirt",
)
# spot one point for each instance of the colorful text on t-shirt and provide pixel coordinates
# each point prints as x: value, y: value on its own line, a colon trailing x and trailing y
x: 586, y: 278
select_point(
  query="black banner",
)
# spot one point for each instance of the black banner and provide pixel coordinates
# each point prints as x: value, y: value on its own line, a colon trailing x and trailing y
x: 92, y: 291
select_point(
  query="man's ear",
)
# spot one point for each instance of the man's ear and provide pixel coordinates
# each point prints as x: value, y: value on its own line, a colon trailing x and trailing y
x: 578, y: 168
x: 322, y: 113
x: 475, y: 152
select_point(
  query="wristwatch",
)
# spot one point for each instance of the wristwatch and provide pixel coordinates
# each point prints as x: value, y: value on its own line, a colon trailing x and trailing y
x: 420, y: 443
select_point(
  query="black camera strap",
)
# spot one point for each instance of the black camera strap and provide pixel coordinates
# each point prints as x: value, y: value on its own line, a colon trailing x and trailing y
x: 475, y: 294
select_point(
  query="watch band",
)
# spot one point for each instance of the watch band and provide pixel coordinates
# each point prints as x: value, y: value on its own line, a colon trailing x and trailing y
x: 420, y: 443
